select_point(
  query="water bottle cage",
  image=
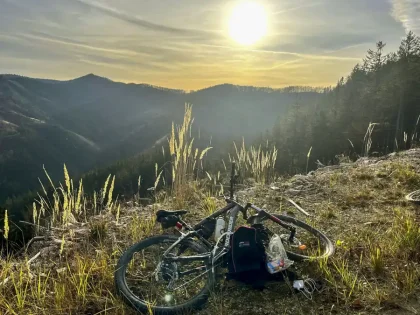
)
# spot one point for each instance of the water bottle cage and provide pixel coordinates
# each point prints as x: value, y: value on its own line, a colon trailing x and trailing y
x: 206, y: 229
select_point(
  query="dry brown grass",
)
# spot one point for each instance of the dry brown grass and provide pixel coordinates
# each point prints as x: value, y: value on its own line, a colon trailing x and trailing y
x: 375, y: 269
x: 258, y: 163
x: 185, y: 159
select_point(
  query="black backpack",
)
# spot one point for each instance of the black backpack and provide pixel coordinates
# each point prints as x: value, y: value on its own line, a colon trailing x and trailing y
x: 247, y: 256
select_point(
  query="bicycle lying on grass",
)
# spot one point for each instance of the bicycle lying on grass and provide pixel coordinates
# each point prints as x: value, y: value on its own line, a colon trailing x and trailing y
x: 169, y: 274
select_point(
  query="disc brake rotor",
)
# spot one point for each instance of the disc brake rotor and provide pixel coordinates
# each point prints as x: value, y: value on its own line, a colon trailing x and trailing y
x: 166, y: 272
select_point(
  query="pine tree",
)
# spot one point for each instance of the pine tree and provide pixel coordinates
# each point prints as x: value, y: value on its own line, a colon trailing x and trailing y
x: 375, y: 59
x: 409, y: 62
x: 409, y: 48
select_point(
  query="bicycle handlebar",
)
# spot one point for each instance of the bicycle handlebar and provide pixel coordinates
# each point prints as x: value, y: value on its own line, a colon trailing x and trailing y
x: 244, y: 209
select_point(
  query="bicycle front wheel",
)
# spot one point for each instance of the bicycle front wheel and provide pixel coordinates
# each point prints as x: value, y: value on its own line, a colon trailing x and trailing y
x: 148, y: 284
x: 308, y: 243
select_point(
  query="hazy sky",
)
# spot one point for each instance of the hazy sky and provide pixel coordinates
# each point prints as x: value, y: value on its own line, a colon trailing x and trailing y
x: 186, y: 44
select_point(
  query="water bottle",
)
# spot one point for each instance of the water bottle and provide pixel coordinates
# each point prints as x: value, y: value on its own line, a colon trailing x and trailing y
x: 220, y: 228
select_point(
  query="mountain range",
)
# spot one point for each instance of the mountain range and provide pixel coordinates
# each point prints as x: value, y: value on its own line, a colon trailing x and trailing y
x: 91, y: 121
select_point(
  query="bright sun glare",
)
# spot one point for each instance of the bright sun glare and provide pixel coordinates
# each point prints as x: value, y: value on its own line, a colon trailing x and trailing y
x: 248, y: 23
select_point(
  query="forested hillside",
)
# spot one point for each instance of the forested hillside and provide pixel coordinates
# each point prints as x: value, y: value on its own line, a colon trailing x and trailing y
x: 90, y: 122
x: 384, y: 90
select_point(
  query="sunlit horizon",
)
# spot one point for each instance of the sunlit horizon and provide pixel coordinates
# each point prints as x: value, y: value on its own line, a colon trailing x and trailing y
x: 189, y: 45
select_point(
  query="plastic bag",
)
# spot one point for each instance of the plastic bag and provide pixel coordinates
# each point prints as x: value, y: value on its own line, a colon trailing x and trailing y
x: 276, y: 256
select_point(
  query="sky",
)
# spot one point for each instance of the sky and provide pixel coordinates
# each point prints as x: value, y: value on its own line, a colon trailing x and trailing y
x: 185, y: 44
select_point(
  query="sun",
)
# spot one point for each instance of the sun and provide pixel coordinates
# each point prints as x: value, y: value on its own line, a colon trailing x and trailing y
x: 248, y: 23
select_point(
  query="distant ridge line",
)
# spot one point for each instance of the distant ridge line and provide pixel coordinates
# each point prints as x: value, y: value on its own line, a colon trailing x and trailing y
x: 244, y: 88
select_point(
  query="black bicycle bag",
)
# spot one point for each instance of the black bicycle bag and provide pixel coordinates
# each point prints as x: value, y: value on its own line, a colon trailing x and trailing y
x: 247, y: 253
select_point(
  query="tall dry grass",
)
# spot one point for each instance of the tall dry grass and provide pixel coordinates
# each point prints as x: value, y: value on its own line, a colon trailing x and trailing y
x: 78, y: 280
x: 6, y: 227
x: 185, y: 158
x: 367, y: 140
x: 307, y: 159
x: 258, y: 163
x: 415, y: 136
x: 68, y: 203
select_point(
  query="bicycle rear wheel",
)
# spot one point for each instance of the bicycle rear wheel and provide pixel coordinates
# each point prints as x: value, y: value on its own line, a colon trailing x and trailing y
x: 309, y: 243
x: 149, y: 285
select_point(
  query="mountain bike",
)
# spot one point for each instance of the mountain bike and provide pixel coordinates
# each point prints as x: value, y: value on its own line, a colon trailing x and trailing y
x: 174, y: 274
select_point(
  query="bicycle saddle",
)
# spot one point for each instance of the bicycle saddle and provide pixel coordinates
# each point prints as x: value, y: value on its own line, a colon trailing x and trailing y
x: 165, y: 213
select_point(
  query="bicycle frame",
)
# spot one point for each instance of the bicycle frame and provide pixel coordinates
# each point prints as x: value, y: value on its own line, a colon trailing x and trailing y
x: 234, y: 208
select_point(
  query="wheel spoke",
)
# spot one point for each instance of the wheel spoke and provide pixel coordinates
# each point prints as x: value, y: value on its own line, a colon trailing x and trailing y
x: 158, y: 282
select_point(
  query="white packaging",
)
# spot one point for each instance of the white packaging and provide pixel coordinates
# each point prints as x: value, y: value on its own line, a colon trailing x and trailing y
x: 276, y: 256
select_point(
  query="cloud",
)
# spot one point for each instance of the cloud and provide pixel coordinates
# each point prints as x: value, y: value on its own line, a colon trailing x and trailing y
x: 286, y: 53
x: 105, y: 54
x: 184, y: 43
x: 298, y: 7
x: 143, y: 23
x: 408, y: 13
x: 74, y: 43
